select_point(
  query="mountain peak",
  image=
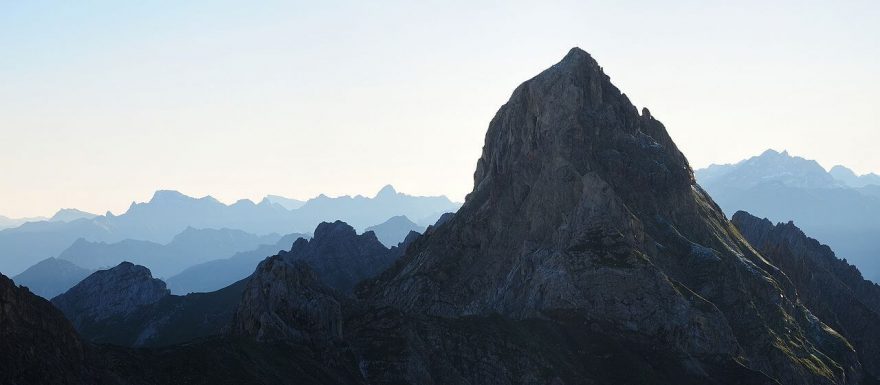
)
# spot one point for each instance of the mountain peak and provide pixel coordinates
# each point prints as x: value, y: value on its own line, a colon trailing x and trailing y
x: 387, y: 191
x: 107, y: 293
x: 334, y: 229
x: 585, y: 210
x: 168, y: 196
x: 69, y: 215
x: 771, y: 153
x: 576, y: 55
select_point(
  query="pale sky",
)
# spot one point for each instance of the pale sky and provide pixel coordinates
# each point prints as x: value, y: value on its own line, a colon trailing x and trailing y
x: 101, y: 103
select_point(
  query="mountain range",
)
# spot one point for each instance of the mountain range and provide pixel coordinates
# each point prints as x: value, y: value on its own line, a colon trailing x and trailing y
x: 783, y: 188
x: 586, y: 253
x: 192, y: 246
x: 63, y: 215
x: 169, y: 213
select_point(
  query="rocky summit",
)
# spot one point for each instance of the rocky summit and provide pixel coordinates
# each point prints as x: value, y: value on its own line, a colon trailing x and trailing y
x: 585, y: 214
x: 340, y: 256
x: 115, y: 292
x: 284, y: 301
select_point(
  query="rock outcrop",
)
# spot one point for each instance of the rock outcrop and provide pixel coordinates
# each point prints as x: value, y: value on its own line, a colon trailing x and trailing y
x: 285, y: 301
x: 340, y: 257
x: 833, y: 289
x: 585, y: 212
x: 115, y: 292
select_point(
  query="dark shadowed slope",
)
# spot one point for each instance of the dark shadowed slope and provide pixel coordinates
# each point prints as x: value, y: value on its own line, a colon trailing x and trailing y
x: 51, y: 276
x: 833, y: 289
x: 37, y: 344
x: 126, y: 306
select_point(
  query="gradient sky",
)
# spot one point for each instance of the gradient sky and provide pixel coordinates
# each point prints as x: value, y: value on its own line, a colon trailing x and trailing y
x: 101, y: 103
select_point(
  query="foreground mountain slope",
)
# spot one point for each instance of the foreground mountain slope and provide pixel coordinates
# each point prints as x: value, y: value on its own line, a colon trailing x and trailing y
x: 37, y: 344
x: 833, y: 289
x: 585, y: 211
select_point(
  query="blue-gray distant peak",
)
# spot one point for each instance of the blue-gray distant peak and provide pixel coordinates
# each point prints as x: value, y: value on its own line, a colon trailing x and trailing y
x: 395, y: 229
x: 851, y: 179
x: 287, y: 203
x: 69, y: 215
x: 387, y: 191
x: 168, y: 195
x: 771, y: 167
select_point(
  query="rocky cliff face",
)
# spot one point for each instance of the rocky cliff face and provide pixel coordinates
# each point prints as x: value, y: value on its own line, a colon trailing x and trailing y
x: 833, y: 289
x: 584, y: 211
x: 115, y: 292
x: 285, y: 301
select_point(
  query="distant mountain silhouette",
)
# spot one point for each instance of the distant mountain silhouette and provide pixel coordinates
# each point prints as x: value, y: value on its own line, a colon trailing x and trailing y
x: 395, y: 230
x: 360, y: 211
x: 51, y: 276
x: 217, y: 274
x: 192, y: 246
x: 850, y: 178
x: 787, y: 188
x: 8, y: 223
x: 288, y: 203
x: 69, y: 215
x: 170, y: 212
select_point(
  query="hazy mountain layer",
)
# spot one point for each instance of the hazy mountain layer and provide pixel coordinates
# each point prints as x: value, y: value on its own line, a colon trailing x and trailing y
x: 191, y: 247
x: 217, y: 274
x: 51, y: 276
x: 850, y: 178
x: 169, y: 212
x: 394, y: 230
x: 786, y: 188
